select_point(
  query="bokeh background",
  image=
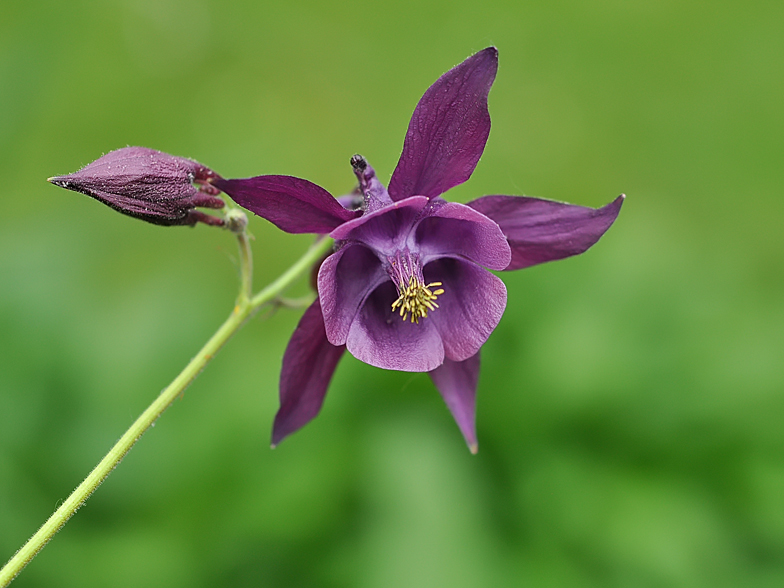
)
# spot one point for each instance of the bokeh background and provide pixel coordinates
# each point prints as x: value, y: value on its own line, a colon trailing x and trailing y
x: 631, y: 401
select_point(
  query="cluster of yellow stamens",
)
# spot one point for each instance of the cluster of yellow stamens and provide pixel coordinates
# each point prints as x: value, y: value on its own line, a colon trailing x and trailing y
x: 414, y: 296
x: 417, y: 298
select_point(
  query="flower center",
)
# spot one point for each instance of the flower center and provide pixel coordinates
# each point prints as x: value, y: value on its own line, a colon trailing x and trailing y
x: 414, y: 296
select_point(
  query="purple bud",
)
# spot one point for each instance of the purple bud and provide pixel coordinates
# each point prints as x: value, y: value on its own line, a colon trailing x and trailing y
x: 149, y: 185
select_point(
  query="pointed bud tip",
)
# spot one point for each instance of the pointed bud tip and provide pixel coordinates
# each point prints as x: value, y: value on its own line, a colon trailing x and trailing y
x: 473, y: 448
x: 148, y: 185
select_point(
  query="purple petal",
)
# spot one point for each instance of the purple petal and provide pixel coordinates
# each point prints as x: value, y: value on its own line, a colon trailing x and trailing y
x: 385, y: 230
x: 455, y: 230
x: 470, y: 308
x: 292, y: 204
x: 543, y: 230
x: 448, y: 130
x: 345, y: 279
x: 381, y: 338
x: 308, y: 365
x: 456, y: 381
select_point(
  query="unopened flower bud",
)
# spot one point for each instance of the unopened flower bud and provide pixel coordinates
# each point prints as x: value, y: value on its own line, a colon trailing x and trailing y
x: 236, y: 220
x: 150, y: 185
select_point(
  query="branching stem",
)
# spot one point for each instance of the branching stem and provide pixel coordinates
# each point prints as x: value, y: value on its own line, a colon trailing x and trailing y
x: 246, y: 305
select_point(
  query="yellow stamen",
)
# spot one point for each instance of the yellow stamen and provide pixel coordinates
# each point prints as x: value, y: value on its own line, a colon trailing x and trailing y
x: 417, y: 298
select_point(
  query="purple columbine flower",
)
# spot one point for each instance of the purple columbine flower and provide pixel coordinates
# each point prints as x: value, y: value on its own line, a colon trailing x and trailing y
x: 408, y: 287
x: 149, y: 185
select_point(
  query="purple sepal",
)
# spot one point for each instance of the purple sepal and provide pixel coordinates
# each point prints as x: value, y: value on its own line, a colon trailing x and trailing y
x: 292, y: 204
x: 308, y: 365
x: 149, y: 185
x: 544, y: 230
x: 448, y: 130
x: 456, y: 381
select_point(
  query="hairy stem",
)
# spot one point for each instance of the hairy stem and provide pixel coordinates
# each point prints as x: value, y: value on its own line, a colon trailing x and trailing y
x: 246, y: 305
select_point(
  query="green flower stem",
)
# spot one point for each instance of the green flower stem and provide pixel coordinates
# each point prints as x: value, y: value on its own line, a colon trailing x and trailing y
x: 245, y: 307
x: 246, y: 269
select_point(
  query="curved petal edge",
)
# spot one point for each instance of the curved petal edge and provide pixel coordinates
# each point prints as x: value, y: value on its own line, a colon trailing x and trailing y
x: 345, y: 279
x: 470, y: 308
x: 379, y: 337
x: 456, y: 230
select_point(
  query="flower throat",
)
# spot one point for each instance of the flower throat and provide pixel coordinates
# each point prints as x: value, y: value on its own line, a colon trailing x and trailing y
x: 414, y: 296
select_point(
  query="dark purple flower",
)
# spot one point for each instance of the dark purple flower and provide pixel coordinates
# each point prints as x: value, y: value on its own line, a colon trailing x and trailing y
x: 150, y: 185
x: 408, y: 287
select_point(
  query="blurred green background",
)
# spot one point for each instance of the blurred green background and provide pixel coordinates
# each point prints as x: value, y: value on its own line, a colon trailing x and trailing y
x: 631, y: 401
